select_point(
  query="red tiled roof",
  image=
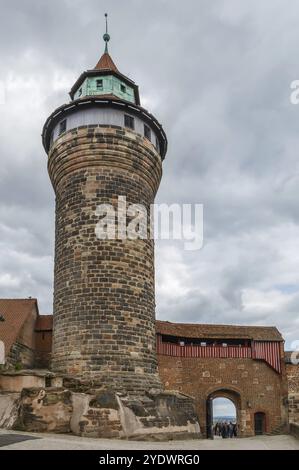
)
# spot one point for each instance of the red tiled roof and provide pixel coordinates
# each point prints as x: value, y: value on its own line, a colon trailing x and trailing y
x: 15, y: 313
x: 44, y: 323
x: 205, y: 331
x: 106, y: 63
x: 194, y: 330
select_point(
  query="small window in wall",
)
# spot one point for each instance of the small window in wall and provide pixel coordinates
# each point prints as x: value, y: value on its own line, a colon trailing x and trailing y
x: 48, y: 382
x: 224, y: 345
x: 157, y: 145
x: 80, y: 92
x: 52, y: 139
x: 129, y: 122
x: 147, y: 132
x: 123, y: 88
x: 99, y: 84
x: 203, y: 343
x: 62, y: 127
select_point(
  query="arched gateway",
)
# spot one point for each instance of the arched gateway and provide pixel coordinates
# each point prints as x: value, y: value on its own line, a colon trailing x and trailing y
x: 242, y: 363
x: 231, y: 395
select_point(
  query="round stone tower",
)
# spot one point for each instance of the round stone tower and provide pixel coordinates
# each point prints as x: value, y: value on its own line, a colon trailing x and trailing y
x: 100, y: 146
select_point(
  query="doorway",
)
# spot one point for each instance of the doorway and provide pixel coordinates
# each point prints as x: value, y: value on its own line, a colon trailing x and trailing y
x: 259, y: 423
x: 222, y: 412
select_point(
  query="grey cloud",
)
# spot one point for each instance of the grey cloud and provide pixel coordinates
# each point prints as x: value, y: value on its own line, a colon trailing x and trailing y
x: 217, y: 75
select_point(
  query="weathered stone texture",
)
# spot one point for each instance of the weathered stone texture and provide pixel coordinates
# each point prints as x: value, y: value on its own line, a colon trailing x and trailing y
x: 22, y: 355
x: 293, y: 389
x: 294, y: 429
x: 106, y: 414
x: 154, y: 416
x: 104, y: 299
x: 294, y: 407
x: 293, y: 377
x: 96, y: 415
x: 9, y: 409
x: 45, y: 410
x: 261, y: 389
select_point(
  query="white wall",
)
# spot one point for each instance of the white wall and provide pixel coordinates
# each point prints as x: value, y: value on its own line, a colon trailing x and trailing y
x: 95, y: 116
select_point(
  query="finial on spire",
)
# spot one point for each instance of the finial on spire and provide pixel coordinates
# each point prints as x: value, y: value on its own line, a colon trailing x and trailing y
x: 106, y: 36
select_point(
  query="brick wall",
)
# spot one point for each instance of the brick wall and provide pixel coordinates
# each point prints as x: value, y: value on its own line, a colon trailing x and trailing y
x: 22, y: 351
x: 252, y: 385
x: 43, y: 342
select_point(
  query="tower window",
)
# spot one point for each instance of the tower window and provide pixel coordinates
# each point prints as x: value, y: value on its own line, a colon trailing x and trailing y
x: 129, y: 122
x: 147, y: 132
x: 123, y: 88
x: 99, y: 84
x: 62, y: 127
x: 157, y: 144
x: 48, y: 382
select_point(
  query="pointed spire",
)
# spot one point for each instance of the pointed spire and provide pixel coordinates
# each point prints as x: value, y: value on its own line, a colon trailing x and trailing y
x: 106, y: 36
x: 105, y: 62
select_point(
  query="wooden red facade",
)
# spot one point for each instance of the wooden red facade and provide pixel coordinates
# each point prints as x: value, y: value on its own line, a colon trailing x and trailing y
x: 268, y: 351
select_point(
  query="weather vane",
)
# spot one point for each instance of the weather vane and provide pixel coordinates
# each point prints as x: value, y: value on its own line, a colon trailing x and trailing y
x: 106, y: 36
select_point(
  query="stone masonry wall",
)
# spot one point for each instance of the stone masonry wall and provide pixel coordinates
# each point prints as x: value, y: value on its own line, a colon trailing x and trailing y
x: 293, y: 386
x: 293, y: 377
x: 21, y: 355
x: 161, y: 416
x: 104, y: 299
x: 252, y: 385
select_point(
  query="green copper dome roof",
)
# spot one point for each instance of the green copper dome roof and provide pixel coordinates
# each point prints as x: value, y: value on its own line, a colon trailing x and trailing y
x: 105, y: 80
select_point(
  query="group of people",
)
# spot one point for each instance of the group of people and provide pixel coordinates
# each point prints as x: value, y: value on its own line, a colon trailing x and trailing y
x: 225, y: 429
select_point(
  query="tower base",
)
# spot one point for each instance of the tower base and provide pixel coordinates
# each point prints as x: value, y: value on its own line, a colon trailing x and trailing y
x: 102, y: 413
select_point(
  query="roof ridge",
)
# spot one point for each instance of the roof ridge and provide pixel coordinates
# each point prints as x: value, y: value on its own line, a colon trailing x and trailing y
x: 203, y: 330
x: 16, y: 299
x: 217, y: 324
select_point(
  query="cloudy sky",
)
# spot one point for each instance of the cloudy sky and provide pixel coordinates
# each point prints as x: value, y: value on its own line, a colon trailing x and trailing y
x: 217, y: 75
x: 223, y: 407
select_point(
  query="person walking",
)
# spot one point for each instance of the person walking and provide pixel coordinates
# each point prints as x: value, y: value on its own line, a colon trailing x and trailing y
x: 224, y: 430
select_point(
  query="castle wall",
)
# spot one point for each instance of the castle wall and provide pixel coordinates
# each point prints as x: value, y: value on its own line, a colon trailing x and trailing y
x: 252, y: 385
x: 21, y: 356
x: 43, y: 341
x: 293, y: 391
x: 22, y: 351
